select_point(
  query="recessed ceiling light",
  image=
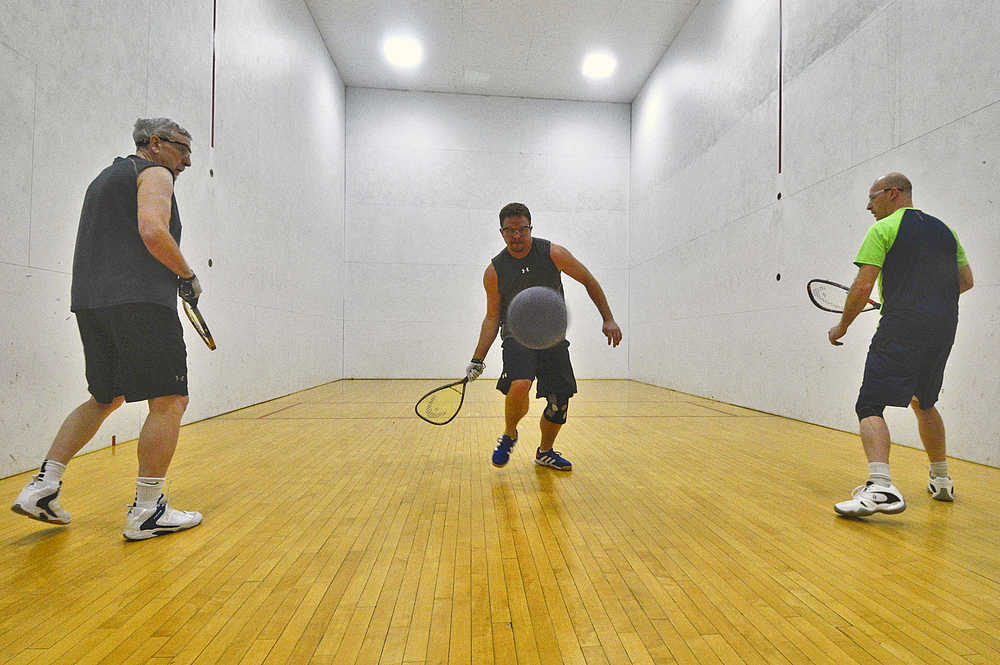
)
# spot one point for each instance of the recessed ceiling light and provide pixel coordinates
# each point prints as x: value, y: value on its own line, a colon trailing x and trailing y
x: 403, y: 51
x: 599, y: 65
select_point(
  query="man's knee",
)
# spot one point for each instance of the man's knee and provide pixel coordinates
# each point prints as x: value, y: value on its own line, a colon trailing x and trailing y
x: 920, y: 411
x: 519, y: 387
x: 866, y: 410
x: 108, y: 407
x: 169, y: 403
x: 557, y: 408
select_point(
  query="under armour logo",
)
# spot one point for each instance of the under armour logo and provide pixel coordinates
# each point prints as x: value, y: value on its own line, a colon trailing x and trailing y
x: 525, y: 270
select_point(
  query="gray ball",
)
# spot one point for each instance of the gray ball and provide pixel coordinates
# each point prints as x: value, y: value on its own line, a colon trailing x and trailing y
x: 537, y: 318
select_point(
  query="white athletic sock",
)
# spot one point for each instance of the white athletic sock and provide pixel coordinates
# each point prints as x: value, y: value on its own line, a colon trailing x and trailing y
x: 148, y: 491
x: 51, y: 472
x: 878, y: 473
x: 939, y: 469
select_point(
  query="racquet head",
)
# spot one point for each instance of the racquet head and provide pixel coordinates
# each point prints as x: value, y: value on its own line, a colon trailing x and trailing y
x: 198, y: 323
x: 831, y: 296
x: 441, y: 405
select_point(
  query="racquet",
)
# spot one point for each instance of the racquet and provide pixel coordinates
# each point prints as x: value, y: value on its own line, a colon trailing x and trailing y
x: 831, y: 297
x: 198, y: 322
x: 441, y: 405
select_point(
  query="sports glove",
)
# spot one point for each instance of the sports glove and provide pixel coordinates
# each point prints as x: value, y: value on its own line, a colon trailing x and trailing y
x: 189, y: 288
x: 474, y: 369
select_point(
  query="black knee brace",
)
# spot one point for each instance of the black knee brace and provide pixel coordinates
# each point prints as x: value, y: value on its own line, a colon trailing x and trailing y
x: 867, y: 410
x: 555, y: 412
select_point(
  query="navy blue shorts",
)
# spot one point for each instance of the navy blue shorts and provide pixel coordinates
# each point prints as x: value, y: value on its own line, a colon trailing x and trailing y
x: 136, y: 350
x: 906, y: 361
x: 550, y: 366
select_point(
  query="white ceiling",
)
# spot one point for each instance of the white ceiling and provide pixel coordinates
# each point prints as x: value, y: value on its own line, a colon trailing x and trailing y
x: 519, y: 48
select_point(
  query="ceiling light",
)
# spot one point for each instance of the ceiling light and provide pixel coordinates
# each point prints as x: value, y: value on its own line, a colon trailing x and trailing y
x: 403, y: 51
x: 599, y: 65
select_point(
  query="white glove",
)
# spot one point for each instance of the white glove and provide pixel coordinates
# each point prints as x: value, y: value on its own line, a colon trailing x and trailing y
x: 189, y: 288
x: 474, y: 369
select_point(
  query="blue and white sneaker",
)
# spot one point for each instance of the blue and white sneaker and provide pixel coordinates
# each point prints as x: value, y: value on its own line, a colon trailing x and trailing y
x: 869, y: 499
x: 553, y: 459
x: 501, y: 455
x: 159, y: 520
x: 40, y: 501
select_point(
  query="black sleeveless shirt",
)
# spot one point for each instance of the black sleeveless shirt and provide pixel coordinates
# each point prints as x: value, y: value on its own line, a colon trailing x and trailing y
x: 514, y: 275
x: 919, y: 279
x: 111, y: 265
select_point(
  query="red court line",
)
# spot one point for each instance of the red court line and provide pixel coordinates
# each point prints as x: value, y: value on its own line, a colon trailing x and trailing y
x: 780, y: 75
x: 214, y: 8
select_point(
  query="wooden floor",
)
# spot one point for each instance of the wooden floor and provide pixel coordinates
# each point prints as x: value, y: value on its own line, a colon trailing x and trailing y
x: 340, y: 529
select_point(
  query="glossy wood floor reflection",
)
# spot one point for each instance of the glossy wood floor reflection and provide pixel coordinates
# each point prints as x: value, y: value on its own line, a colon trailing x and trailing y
x: 339, y: 528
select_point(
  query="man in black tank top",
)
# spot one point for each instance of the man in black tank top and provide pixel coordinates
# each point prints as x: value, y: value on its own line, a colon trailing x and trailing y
x: 921, y: 269
x: 127, y: 271
x: 527, y: 262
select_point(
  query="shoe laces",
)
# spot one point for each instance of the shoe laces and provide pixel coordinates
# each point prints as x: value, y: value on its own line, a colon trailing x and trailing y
x: 38, y: 481
x: 868, y: 490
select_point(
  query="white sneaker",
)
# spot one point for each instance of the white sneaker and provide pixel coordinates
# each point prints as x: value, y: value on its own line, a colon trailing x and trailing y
x: 942, y: 488
x: 871, y: 498
x: 160, y: 520
x: 40, y: 501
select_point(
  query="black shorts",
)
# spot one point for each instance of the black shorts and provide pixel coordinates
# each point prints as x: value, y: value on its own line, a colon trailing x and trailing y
x: 550, y: 366
x: 136, y: 350
x: 906, y: 361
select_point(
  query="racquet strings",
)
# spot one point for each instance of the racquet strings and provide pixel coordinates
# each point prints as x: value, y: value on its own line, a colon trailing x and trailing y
x: 833, y: 297
x: 829, y: 296
x: 198, y: 323
x: 440, y: 406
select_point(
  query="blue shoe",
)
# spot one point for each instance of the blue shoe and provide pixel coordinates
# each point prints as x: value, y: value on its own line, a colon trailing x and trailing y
x: 502, y: 453
x: 552, y: 458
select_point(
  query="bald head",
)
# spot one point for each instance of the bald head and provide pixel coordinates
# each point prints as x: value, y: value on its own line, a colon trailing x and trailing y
x: 894, y: 181
x: 890, y: 193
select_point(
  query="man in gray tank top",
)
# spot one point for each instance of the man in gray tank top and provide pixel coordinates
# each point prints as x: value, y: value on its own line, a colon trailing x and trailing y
x: 527, y: 262
x: 127, y: 272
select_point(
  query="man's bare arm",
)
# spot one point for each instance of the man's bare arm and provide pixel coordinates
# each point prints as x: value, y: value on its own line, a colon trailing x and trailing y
x: 568, y: 264
x: 857, y: 298
x: 491, y: 322
x: 964, y: 279
x: 156, y: 188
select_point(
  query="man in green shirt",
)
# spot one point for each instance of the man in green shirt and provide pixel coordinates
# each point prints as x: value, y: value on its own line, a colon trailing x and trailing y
x: 921, y: 270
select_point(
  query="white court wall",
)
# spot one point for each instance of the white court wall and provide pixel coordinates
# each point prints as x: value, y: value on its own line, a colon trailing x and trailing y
x: 870, y: 86
x: 73, y: 80
x: 427, y: 175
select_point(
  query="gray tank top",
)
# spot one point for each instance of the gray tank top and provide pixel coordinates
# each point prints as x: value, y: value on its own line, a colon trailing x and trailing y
x: 111, y: 265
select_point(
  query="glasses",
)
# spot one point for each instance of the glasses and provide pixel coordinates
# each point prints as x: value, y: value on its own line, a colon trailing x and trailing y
x: 514, y: 232
x: 185, y: 148
x: 872, y: 197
